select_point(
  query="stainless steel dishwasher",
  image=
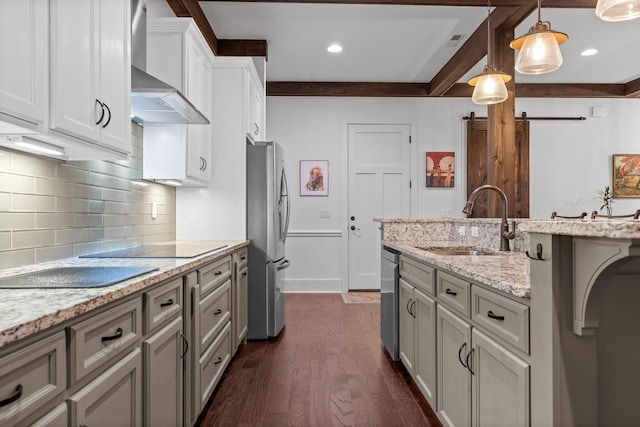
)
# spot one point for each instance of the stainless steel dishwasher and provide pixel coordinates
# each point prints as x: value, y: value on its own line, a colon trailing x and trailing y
x: 389, y: 294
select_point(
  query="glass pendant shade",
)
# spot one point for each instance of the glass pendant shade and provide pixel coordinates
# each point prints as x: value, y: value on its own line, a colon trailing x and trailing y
x: 618, y: 10
x: 539, y: 54
x: 489, y: 87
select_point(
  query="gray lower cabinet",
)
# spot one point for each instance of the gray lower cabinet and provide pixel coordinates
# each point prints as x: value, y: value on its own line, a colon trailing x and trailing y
x: 58, y: 417
x: 424, y: 368
x: 163, y: 370
x: 239, y: 298
x: 114, y: 398
x: 480, y: 383
x: 407, y: 325
x: 32, y: 376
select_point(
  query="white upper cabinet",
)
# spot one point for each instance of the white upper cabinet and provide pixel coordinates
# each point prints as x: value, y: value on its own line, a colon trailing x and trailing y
x: 91, y: 70
x: 23, y: 73
x: 255, y: 108
x: 178, y: 54
x: 68, y: 83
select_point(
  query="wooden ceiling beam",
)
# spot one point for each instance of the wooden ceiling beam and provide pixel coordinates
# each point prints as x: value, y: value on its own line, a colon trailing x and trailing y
x: 219, y: 47
x: 632, y: 89
x: 571, y: 4
x: 458, y: 90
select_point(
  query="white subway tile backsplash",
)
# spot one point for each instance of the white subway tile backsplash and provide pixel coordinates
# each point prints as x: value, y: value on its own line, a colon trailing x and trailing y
x: 11, y: 183
x: 32, y: 203
x: 17, y: 221
x: 28, y: 239
x: 51, y: 209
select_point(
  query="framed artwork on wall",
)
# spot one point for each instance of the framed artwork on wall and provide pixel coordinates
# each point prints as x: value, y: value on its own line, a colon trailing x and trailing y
x: 314, y: 177
x: 440, y: 169
x: 626, y: 175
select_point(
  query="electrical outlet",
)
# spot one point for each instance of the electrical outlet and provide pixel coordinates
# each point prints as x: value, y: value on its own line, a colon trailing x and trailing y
x: 474, y: 231
x: 461, y: 230
x: 154, y: 210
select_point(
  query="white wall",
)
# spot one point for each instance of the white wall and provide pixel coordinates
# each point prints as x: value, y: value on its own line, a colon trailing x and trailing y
x: 570, y: 161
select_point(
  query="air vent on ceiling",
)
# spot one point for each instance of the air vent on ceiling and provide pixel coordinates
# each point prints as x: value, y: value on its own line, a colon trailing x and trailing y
x: 454, y: 40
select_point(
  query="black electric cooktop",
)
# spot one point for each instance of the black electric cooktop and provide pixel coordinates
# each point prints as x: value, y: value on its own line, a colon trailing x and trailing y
x: 164, y: 250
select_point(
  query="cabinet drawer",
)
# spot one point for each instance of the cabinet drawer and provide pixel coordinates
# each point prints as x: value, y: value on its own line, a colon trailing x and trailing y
x: 103, y: 337
x: 213, y: 363
x: 506, y: 318
x: 212, y: 275
x: 31, y: 377
x: 214, y: 313
x: 453, y: 292
x: 162, y: 304
x: 418, y: 274
x: 242, y: 257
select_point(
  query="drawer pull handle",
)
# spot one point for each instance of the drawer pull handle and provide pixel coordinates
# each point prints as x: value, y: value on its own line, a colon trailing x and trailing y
x: 493, y: 316
x: 450, y: 292
x: 460, y: 355
x: 409, y: 306
x: 219, y: 361
x: 242, y: 258
x: 15, y: 396
x: 217, y: 273
x: 166, y: 304
x: 244, y: 274
x: 118, y: 334
x: 218, y: 311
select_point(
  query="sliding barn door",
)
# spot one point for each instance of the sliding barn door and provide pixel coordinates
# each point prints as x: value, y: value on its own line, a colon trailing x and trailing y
x: 513, y: 167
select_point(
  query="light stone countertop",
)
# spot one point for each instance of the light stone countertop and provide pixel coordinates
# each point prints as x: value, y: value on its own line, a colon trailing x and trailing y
x: 24, y: 312
x: 507, y: 271
x: 613, y: 229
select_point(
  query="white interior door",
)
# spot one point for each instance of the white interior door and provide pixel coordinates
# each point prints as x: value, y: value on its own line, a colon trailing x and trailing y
x: 379, y: 187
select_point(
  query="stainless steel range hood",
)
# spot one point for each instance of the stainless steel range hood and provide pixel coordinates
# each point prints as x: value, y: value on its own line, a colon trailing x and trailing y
x: 152, y: 100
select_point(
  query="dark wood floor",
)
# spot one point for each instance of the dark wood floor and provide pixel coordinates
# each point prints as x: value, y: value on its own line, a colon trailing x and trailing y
x: 327, y: 368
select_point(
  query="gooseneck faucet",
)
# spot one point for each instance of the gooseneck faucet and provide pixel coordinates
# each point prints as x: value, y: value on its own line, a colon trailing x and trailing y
x: 505, y: 234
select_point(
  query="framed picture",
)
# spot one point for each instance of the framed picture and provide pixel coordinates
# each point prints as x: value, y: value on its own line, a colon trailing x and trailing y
x: 314, y: 177
x: 626, y: 175
x: 440, y: 169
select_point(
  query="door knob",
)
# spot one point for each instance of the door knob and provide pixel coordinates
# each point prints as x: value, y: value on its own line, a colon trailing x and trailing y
x: 353, y: 218
x: 353, y: 228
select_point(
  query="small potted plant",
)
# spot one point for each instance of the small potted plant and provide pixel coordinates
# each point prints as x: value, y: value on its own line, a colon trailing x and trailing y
x: 606, y: 197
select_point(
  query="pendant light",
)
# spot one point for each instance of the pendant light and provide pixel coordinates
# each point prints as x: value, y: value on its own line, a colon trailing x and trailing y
x: 489, y: 86
x: 539, y: 49
x: 618, y: 10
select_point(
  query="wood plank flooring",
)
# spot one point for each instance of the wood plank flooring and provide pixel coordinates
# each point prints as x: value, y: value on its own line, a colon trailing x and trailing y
x: 328, y: 367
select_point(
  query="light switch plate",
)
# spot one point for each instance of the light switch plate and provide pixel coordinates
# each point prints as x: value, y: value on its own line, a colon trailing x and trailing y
x: 474, y: 231
x: 154, y: 210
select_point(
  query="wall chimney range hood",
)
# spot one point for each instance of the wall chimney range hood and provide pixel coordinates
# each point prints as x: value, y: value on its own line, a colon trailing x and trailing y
x: 152, y: 100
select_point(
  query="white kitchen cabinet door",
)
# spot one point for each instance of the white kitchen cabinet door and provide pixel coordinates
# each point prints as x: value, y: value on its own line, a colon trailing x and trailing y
x: 90, y: 71
x: 178, y: 54
x: 255, y: 107
x: 24, y: 25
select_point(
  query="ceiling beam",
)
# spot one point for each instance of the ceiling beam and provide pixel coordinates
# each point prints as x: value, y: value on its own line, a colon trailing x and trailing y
x: 219, y: 47
x: 362, y: 89
x: 632, y: 89
x: 458, y: 90
x: 468, y: 55
x: 571, y: 4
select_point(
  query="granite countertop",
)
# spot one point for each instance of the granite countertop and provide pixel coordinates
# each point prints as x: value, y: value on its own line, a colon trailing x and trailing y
x: 507, y: 271
x: 610, y: 228
x: 27, y: 311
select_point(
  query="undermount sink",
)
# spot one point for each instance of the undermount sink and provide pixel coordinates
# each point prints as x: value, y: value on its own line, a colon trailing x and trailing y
x: 73, y: 277
x: 458, y: 250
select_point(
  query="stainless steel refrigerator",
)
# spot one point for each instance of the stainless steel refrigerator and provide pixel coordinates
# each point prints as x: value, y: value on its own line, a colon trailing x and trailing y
x: 267, y: 224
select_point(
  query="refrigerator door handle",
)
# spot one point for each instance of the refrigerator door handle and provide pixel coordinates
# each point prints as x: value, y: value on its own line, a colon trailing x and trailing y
x: 285, y: 195
x: 283, y: 265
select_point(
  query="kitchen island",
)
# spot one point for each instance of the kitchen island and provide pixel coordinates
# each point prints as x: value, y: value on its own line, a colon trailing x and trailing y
x: 579, y: 285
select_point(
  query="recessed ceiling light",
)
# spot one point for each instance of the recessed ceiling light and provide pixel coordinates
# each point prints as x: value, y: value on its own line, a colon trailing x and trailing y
x: 589, y: 52
x: 335, y: 48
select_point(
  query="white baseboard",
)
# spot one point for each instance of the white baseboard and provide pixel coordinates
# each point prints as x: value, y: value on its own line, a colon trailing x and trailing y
x: 312, y: 286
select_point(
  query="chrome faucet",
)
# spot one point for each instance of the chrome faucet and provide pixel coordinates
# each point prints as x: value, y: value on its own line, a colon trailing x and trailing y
x: 505, y: 234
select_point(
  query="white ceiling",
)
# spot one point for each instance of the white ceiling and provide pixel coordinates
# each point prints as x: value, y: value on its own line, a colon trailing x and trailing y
x: 389, y: 43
